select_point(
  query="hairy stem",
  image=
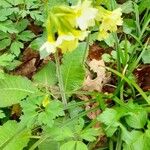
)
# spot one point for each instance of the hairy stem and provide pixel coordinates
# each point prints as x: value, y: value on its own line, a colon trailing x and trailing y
x: 60, y: 80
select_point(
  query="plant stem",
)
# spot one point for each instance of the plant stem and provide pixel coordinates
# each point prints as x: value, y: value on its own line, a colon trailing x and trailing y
x: 86, y: 49
x: 60, y: 80
x: 119, y: 142
x: 110, y: 144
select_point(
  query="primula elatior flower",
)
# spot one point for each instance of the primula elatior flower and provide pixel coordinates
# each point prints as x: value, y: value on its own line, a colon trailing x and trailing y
x: 47, y: 48
x: 109, y: 22
x: 85, y: 14
x: 66, y: 25
x: 68, y: 42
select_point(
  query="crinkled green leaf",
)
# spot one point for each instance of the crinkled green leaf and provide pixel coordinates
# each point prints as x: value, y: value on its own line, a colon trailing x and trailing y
x: 135, y: 140
x: 37, y: 15
x: 13, y: 136
x: 6, y: 59
x: 137, y: 119
x: 59, y: 133
x: 146, y: 57
x: 8, y: 26
x: 16, y: 48
x: 107, y: 57
x: 47, y: 75
x: 37, y: 43
x: 127, y: 7
x: 26, y: 36
x: 90, y: 134
x: 4, y: 43
x: 5, y: 12
x: 72, y: 69
x: 15, y: 88
x: 22, y: 25
x: 36, y: 113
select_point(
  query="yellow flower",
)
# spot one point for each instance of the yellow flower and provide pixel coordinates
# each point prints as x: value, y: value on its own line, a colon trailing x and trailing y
x: 85, y: 15
x: 68, y: 42
x: 67, y: 46
x: 62, y: 26
x: 46, y: 101
x: 109, y: 22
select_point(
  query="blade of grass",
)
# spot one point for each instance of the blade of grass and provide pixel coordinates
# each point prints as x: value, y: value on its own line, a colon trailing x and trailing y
x: 131, y: 83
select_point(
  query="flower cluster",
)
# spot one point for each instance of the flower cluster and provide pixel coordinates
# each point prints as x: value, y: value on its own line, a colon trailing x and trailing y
x: 67, y: 25
x: 109, y: 21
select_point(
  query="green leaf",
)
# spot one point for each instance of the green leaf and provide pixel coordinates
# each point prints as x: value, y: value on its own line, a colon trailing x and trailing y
x: 137, y: 120
x: 54, y: 109
x: 129, y: 26
x: 47, y: 75
x: 72, y: 69
x: 15, y: 2
x: 37, y: 15
x: 74, y: 145
x: 127, y: 7
x: 110, y: 41
x: 5, y: 59
x: 26, y: 36
x: 59, y: 133
x: 145, y: 4
x: 5, y: 4
x: 90, y: 134
x: 135, y: 140
x: 106, y: 3
x: 49, y: 144
x: 13, y: 136
x: 36, y: 113
x: 93, y: 37
x: 146, y: 57
x: 4, y: 43
x: 110, y: 118
x: 37, y: 43
x: 22, y: 25
x: 2, y: 74
x: 15, y: 88
x: 5, y: 12
x: 4, y: 35
x: 107, y: 57
x: 8, y: 26
x: 15, y: 47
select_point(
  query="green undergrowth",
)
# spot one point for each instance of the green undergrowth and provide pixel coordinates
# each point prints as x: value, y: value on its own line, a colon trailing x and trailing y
x: 49, y: 112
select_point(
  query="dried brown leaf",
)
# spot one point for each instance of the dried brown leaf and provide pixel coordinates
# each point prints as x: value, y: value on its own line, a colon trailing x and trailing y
x: 102, y: 76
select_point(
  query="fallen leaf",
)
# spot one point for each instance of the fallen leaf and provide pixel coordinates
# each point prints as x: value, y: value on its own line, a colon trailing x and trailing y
x: 26, y: 69
x: 96, y: 83
x: 95, y: 52
x: 29, y: 54
x: 143, y: 77
x: 30, y: 62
